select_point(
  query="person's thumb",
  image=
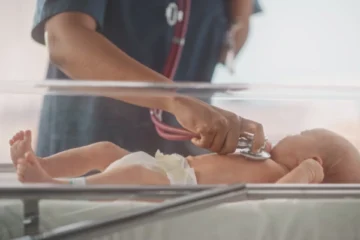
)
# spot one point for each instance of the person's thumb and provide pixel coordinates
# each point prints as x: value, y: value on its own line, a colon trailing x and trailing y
x: 196, y: 141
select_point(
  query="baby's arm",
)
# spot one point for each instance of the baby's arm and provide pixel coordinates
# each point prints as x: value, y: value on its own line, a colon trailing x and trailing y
x: 308, y: 171
x: 79, y: 161
x: 234, y: 168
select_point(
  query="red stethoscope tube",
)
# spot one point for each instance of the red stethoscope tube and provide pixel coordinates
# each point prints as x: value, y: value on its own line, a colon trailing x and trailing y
x: 178, y: 134
x: 172, y: 63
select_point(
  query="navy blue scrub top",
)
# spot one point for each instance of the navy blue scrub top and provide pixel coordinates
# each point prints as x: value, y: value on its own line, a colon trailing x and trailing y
x: 140, y: 28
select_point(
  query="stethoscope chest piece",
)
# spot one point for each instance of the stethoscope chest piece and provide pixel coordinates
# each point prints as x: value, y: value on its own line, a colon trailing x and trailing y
x: 260, y: 156
x: 244, y: 149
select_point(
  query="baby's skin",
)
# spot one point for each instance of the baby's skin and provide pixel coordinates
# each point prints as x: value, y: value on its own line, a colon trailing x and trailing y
x: 314, y: 156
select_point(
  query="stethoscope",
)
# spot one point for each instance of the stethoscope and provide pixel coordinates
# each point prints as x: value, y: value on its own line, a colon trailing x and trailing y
x: 177, y: 16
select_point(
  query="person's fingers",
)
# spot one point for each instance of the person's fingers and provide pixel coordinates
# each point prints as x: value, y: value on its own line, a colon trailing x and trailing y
x: 309, y: 171
x: 256, y: 129
x: 231, y: 142
x: 220, y: 137
x: 232, y: 137
x: 206, y: 137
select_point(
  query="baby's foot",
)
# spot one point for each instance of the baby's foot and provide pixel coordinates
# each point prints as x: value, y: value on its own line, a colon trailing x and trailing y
x: 29, y: 170
x: 19, y: 145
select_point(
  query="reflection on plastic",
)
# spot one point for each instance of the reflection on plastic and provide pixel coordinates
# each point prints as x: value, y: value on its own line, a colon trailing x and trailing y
x: 200, y: 90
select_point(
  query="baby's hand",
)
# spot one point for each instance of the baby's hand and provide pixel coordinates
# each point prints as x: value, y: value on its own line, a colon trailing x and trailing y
x: 309, y: 171
x: 293, y: 150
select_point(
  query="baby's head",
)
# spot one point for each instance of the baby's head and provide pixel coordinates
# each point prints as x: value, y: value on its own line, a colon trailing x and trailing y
x: 339, y: 158
x: 294, y: 149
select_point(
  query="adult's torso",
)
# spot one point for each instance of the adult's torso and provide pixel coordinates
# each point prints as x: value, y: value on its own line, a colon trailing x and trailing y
x: 140, y: 28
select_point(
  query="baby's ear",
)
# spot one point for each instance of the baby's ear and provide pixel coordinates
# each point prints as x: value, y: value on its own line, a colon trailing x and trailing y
x: 318, y: 159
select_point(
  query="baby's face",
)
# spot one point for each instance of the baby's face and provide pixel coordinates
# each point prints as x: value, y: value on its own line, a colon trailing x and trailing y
x: 292, y: 150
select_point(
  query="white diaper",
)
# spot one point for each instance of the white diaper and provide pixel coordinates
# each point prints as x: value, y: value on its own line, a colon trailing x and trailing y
x: 176, y: 167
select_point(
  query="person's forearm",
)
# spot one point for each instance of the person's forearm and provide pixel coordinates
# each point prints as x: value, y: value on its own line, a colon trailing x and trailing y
x: 240, y: 12
x: 83, y: 54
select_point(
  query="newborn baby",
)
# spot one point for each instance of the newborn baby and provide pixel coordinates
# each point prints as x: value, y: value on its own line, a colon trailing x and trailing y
x: 313, y: 156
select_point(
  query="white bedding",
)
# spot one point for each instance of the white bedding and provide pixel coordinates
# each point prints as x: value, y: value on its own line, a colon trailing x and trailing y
x: 255, y: 220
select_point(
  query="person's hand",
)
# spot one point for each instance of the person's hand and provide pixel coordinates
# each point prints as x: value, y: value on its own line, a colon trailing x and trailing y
x: 248, y: 126
x: 235, y: 40
x: 217, y: 130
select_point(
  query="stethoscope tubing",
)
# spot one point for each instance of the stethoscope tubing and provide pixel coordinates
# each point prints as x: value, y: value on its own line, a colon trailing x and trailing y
x: 165, y: 131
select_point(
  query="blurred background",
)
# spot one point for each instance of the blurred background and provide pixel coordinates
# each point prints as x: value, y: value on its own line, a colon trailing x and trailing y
x: 291, y: 41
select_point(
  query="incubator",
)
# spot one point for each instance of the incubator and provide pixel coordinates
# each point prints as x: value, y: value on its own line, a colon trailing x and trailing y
x: 242, y: 211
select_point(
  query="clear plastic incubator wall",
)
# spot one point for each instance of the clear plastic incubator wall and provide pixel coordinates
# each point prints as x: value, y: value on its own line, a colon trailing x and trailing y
x: 241, y: 211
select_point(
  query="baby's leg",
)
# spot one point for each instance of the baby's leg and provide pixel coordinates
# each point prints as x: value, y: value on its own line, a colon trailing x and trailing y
x: 309, y: 171
x: 30, y: 171
x: 71, y: 163
x: 78, y: 161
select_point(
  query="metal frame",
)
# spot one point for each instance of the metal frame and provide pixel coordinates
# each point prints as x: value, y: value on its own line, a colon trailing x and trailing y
x: 32, y: 194
x: 99, y: 192
x: 186, y: 199
x: 105, y: 192
x: 7, y: 168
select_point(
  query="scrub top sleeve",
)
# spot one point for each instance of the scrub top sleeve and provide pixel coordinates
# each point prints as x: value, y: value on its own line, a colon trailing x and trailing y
x: 46, y: 9
x: 256, y: 7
